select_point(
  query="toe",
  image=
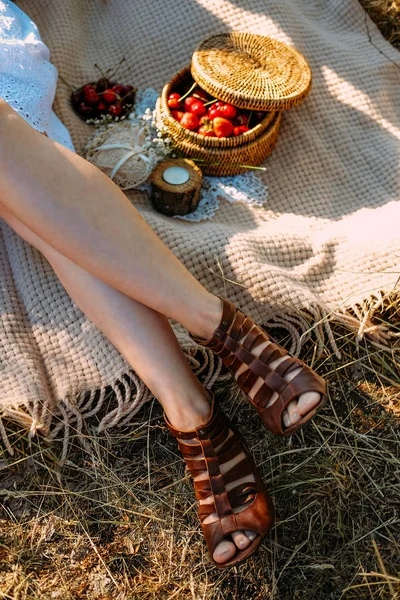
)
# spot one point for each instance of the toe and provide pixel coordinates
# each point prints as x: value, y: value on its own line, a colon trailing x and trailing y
x: 250, y: 534
x: 224, y: 551
x: 293, y: 411
x: 307, y: 402
x: 286, y: 419
x: 240, y: 539
x: 291, y: 414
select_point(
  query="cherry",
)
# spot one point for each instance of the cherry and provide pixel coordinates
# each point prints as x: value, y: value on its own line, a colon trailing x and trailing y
x: 115, y: 110
x: 103, y: 100
x: 88, y: 89
x: 128, y: 94
x: 242, y: 118
x: 177, y: 114
x: 188, y: 102
x: 213, y: 113
x: 259, y: 115
x: 117, y: 89
x: 76, y: 98
x: 85, y: 110
x: 102, y: 84
x: 174, y: 101
x: 92, y: 98
x: 228, y: 111
x: 198, y: 109
x: 109, y: 96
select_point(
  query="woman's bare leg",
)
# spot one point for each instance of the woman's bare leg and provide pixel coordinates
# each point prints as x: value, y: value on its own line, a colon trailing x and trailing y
x: 81, y: 213
x: 142, y: 336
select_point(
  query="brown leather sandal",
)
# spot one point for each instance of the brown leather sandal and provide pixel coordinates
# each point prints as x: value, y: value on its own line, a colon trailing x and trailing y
x: 213, y: 444
x: 234, y: 354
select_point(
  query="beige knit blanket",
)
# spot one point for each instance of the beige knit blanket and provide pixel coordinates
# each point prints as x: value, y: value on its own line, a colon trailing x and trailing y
x: 327, y: 241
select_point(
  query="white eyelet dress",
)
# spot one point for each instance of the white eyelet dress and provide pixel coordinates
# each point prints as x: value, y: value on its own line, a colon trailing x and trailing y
x: 27, y: 78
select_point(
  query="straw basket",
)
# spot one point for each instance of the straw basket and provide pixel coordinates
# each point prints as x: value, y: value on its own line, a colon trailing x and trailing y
x: 249, y: 71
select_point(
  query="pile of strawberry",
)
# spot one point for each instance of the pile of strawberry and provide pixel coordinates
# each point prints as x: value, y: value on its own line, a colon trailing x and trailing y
x: 198, y: 111
x: 103, y: 99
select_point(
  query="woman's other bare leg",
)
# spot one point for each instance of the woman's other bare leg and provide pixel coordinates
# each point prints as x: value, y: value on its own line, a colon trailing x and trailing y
x: 145, y: 338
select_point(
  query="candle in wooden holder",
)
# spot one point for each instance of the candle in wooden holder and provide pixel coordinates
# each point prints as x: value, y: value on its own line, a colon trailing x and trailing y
x: 176, y: 175
x: 175, y: 186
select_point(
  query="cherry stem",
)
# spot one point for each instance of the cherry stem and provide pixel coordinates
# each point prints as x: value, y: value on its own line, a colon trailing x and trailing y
x: 66, y: 82
x: 248, y: 120
x: 211, y: 102
x: 101, y: 71
x: 117, y: 68
x: 188, y: 92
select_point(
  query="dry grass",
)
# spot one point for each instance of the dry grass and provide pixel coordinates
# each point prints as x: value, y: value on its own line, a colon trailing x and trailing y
x: 386, y: 14
x: 118, y: 521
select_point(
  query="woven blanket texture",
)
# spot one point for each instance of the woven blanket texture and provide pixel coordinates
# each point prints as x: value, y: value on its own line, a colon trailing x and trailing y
x: 326, y: 242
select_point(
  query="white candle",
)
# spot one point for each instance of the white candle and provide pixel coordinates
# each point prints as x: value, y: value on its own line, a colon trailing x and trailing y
x: 176, y: 175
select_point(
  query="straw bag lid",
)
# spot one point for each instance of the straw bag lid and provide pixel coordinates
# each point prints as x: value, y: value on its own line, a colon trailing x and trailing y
x: 251, y: 71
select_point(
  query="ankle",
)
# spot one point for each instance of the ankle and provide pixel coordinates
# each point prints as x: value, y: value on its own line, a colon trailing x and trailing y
x: 186, y: 412
x: 208, y: 319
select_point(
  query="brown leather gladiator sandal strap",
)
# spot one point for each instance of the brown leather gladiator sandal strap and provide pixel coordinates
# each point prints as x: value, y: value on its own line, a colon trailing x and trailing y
x: 234, y: 354
x: 213, y: 444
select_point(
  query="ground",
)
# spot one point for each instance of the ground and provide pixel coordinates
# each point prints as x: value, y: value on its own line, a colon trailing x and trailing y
x: 118, y: 521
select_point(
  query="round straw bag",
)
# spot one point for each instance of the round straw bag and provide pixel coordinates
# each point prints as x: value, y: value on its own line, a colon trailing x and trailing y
x: 249, y: 71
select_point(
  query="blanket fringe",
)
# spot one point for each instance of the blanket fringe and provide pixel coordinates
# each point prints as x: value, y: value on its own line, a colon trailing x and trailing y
x: 367, y: 319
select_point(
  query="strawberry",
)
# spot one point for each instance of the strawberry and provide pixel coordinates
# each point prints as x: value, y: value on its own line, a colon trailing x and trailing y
x: 228, y: 111
x: 222, y: 127
x: 174, y: 100
x: 240, y: 129
x: 204, y: 130
x: 190, y: 121
x: 198, y: 108
x: 177, y: 114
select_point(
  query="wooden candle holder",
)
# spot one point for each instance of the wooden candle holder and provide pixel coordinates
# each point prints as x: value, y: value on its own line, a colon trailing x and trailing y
x: 176, y: 198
